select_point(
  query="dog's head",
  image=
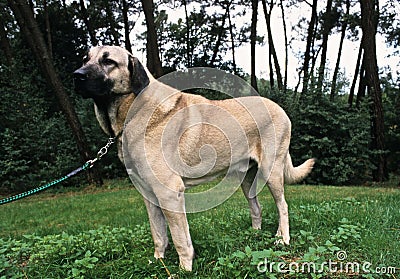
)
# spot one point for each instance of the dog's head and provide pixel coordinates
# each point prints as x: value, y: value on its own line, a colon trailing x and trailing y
x: 110, y: 70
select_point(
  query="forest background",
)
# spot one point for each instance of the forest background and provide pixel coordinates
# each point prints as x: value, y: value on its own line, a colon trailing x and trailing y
x: 348, y: 121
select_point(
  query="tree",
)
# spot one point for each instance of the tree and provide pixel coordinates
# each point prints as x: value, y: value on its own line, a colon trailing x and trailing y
x: 221, y: 31
x: 389, y: 24
x: 4, y: 42
x: 272, y: 51
x: 362, y: 83
x: 232, y: 36
x: 201, y: 39
x: 286, y: 46
x: 369, y: 22
x: 125, y: 9
x: 356, y: 74
x: 48, y: 29
x: 339, y: 53
x: 189, y: 54
x: 327, y: 25
x: 34, y: 37
x: 253, y: 38
x: 88, y: 23
x: 153, y: 58
x: 112, y: 24
x: 307, y: 53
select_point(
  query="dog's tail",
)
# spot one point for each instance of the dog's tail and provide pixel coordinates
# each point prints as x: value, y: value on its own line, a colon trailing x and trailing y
x: 296, y: 174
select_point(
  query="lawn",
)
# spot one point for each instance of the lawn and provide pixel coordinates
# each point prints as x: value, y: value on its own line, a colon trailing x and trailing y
x: 336, y: 232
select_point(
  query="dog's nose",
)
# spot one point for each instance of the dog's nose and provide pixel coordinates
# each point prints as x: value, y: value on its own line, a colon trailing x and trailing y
x: 80, y: 75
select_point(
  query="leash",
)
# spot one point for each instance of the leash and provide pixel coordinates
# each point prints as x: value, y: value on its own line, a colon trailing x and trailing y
x: 89, y: 164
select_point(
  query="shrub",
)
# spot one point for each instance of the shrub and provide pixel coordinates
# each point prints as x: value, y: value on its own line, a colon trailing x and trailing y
x: 35, y: 139
x: 37, y: 144
x: 337, y: 137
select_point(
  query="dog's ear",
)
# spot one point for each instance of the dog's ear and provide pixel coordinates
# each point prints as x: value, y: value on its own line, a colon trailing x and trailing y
x: 139, y: 78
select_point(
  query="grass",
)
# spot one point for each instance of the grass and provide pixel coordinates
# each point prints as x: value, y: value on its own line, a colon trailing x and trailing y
x: 104, y: 233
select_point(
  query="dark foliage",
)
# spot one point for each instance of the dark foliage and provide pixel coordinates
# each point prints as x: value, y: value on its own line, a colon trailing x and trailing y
x: 339, y: 138
x: 37, y: 145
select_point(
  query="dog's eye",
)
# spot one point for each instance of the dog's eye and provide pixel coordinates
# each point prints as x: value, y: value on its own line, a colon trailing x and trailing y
x: 109, y: 62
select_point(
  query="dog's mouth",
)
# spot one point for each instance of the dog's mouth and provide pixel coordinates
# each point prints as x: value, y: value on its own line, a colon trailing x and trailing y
x: 91, y: 87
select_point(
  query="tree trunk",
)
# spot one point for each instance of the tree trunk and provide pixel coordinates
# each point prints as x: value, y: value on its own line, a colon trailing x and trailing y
x: 34, y: 37
x: 48, y: 30
x: 220, y: 36
x: 362, y: 86
x: 369, y: 20
x: 286, y: 47
x: 271, y: 68
x: 307, y: 54
x: 32, y: 7
x: 355, y: 77
x: 253, y: 37
x: 232, y: 43
x: 125, y: 8
x: 88, y: 24
x: 296, y: 88
x: 315, y: 53
x: 188, y: 48
x: 272, y: 49
x: 5, y: 43
x: 268, y: 23
x: 153, y: 58
x: 339, y: 54
x: 114, y: 35
x: 326, y: 29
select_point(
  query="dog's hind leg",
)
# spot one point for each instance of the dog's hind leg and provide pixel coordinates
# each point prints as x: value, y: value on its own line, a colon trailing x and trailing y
x: 276, y: 187
x: 249, y: 187
x: 158, y: 227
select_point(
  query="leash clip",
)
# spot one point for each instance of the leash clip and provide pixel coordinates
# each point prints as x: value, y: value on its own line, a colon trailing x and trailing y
x: 103, y: 151
x: 90, y: 163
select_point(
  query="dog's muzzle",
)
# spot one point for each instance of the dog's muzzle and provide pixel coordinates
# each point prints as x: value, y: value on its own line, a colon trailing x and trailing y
x: 89, y: 85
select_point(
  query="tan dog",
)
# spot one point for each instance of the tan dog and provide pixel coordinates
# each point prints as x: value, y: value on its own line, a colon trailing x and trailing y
x: 173, y: 140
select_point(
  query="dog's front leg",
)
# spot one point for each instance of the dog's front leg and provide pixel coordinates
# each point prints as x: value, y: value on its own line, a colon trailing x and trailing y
x: 179, y: 228
x: 172, y: 202
x: 158, y: 228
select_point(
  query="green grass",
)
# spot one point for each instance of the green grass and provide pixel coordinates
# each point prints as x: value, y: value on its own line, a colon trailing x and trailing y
x: 104, y: 233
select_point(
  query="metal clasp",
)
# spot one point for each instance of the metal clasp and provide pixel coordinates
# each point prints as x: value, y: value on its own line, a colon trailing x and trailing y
x: 103, y: 151
x: 90, y: 163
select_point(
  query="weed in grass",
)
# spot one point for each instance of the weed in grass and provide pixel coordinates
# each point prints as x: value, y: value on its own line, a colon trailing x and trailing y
x: 112, y: 238
x: 274, y: 261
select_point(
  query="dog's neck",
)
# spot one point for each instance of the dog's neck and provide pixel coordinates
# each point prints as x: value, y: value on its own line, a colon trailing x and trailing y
x: 111, y: 112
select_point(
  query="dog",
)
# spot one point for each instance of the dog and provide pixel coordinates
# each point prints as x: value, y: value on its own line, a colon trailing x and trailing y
x: 174, y: 140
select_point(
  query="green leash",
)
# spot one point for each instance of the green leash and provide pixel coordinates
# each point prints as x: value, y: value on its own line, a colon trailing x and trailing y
x: 103, y: 151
